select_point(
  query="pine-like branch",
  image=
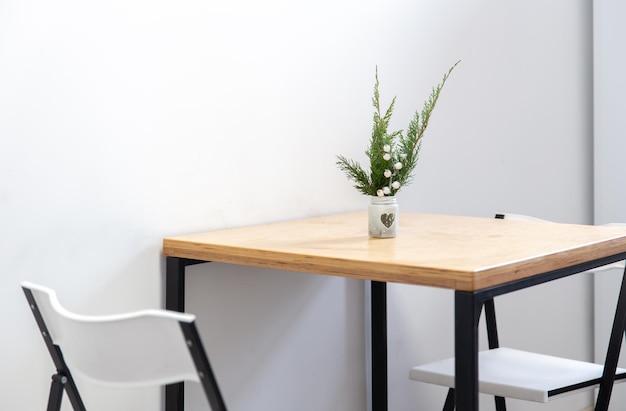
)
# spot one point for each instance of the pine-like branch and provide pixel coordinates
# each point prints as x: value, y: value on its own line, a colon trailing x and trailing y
x: 393, y: 156
x: 429, y: 105
x: 356, y: 173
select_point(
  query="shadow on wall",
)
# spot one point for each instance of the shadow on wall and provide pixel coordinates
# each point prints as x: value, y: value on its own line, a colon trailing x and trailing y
x: 265, y: 328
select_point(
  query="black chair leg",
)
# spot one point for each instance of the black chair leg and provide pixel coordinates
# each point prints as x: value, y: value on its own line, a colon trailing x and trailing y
x: 56, y: 392
x: 500, y: 403
x: 449, y: 404
x: 62, y: 380
x: 492, y: 337
x: 612, y: 355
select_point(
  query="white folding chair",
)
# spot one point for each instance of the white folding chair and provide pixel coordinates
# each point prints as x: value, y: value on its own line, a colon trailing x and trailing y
x: 507, y: 373
x: 143, y: 348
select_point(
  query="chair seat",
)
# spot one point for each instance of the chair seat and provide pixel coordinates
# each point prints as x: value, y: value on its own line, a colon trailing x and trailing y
x: 506, y: 372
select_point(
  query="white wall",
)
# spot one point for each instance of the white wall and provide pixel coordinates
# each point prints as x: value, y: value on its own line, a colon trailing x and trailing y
x: 126, y: 121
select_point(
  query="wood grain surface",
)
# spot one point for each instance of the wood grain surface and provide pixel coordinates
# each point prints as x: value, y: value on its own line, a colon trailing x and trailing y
x: 462, y: 253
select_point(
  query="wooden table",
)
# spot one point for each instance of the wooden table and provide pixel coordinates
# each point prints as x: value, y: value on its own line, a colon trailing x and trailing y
x: 479, y: 258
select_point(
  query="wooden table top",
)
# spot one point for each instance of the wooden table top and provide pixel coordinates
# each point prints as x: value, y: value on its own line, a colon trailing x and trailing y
x: 461, y: 253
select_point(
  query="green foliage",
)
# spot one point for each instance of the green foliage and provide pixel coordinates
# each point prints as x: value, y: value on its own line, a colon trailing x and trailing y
x: 392, y: 155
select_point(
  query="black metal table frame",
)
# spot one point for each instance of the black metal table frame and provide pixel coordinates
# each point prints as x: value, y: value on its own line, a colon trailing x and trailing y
x: 468, y: 306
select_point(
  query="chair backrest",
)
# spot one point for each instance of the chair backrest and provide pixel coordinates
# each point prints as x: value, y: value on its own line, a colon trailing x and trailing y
x: 519, y: 217
x: 136, y: 349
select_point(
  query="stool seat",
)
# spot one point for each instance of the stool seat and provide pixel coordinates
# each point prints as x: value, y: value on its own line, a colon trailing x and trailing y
x: 511, y: 373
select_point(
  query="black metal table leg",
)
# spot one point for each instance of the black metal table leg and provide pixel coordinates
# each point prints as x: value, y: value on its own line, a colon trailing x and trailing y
x: 379, y: 345
x: 466, y: 315
x: 175, y: 301
x: 175, y: 283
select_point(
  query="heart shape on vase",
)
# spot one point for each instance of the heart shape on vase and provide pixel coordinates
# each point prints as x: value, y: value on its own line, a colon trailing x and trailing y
x: 387, y: 219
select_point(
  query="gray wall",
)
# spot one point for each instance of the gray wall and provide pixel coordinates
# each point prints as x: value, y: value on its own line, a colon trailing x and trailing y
x: 126, y: 121
x: 519, y: 142
x: 609, y: 167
